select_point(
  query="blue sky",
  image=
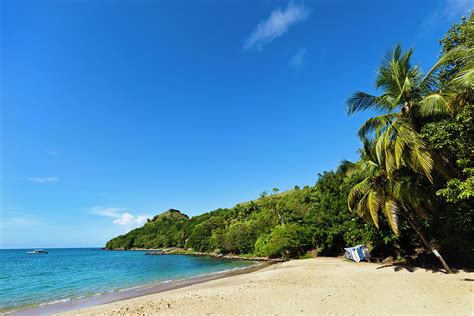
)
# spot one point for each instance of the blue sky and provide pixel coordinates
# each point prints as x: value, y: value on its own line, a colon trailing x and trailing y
x: 113, y: 111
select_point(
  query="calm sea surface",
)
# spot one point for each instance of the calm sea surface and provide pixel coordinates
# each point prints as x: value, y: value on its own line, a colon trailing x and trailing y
x: 65, y: 274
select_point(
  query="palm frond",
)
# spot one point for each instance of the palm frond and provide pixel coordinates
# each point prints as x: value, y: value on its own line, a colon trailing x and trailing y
x: 398, y: 150
x: 396, y: 75
x: 347, y: 167
x: 357, y: 192
x: 422, y: 159
x: 410, y: 195
x: 465, y: 78
x: 391, y: 213
x: 376, y: 125
x: 456, y: 54
x: 362, y: 208
x: 361, y: 101
x: 432, y: 105
x: 374, y: 201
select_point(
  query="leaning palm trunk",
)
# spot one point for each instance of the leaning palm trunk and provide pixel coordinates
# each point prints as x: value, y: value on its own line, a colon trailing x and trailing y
x: 427, y: 244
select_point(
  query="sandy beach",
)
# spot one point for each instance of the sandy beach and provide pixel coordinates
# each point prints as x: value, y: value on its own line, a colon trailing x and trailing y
x: 311, y: 286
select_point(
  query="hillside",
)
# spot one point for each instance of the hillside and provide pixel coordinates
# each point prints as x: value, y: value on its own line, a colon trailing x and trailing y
x: 278, y: 225
x: 162, y: 230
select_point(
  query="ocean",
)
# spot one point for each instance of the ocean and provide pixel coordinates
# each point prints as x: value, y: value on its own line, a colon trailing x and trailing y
x: 69, y: 274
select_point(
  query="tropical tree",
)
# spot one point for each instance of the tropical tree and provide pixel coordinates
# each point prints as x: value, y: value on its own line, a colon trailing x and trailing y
x: 393, y: 196
x: 408, y: 99
x: 403, y: 87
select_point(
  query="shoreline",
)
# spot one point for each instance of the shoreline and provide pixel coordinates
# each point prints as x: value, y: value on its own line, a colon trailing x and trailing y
x: 311, y: 286
x: 181, y: 251
x: 130, y: 293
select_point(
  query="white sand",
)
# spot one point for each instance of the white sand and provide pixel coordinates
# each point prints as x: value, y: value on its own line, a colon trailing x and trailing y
x: 311, y: 286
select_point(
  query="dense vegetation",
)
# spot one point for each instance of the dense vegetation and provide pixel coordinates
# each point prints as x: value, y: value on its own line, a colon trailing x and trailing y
x: 412, y: 188
x: 275, y: 225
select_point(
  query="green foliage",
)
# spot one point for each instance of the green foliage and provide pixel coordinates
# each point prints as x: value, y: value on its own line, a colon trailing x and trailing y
x: 287, y: 241
x: 332, y: 226
x: 453, y: 138
x: 285, y: 224
x: 239, y: 238
x: 261, y: 245
x: 452, y: 223
x: 459, y: 35
x: 426, y: 128
x: 201, y: 236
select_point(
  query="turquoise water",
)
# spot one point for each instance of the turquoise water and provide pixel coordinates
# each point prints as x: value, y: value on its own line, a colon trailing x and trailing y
x: 64, y: 274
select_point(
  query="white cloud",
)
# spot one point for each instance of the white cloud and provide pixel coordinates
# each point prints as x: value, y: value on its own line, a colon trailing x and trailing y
x: 276, y: 25
x: 43, y: 180
x: 298, y: 59
x: 120, y: 215
x: 124, y: 219
x: 141, y: 219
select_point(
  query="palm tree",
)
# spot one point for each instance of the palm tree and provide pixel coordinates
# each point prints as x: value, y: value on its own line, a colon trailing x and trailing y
x: 391, y: 141
x: 377, y: 192
x: 403, y: 88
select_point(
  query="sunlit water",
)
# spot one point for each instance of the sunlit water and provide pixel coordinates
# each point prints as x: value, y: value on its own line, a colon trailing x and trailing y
x: 64, y: 274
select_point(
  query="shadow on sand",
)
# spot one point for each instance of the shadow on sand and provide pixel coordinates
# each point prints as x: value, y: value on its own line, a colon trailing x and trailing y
x: 411, y: 268
x: 400, y: 266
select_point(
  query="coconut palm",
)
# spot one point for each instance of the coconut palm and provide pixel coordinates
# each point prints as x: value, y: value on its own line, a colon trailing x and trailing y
x: 376, y: 193
x: 403, y: 88
x: 391, y: 141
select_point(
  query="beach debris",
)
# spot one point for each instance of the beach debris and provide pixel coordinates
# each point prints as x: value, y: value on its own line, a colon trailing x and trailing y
x: 357, y: 253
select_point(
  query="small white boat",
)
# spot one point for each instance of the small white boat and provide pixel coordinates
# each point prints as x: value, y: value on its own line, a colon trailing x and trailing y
x: 37, y: 252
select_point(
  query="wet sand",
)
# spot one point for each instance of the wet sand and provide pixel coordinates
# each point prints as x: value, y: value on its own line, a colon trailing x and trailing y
x: 312, y: 286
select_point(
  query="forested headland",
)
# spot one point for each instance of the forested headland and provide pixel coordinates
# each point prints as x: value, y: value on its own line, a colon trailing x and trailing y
x: 411, y: 193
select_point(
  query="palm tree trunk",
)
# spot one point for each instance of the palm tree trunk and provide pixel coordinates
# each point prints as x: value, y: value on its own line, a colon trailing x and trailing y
x: 425, y: 241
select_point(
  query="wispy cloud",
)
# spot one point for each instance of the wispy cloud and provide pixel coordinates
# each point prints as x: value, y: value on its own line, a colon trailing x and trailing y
x: 106, y: 211
x: 120, y: 215
x: 276, y: 25
x: 43, y: 180
x: 53, y: 153
x: 298, y: 59
x: 450, y: 9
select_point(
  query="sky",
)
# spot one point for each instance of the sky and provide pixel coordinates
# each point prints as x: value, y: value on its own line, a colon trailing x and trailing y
x: 114, y: 111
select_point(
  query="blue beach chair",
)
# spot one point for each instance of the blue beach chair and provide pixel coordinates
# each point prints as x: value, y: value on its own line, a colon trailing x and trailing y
x: 357, y: 253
